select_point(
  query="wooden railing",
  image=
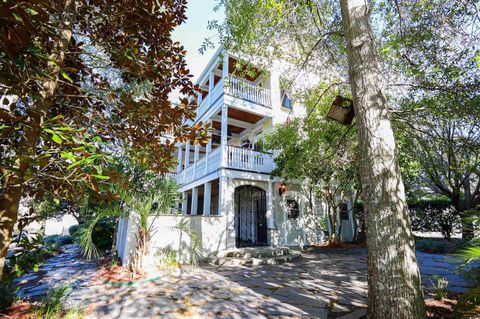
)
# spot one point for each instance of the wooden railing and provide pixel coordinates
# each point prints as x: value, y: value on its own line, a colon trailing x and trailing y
x: 242, y: 89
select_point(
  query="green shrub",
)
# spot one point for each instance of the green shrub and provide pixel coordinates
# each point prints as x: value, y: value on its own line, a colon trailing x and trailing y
x: 51, y: 306
x: 72, y: 230
x: 7, y: 296
x: 30, y: 258
x: 439, y: 287
x: 58, y: 240
x: 438, y: 245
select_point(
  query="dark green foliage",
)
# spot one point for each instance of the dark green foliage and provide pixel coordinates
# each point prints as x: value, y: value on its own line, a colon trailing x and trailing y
x: 7, y: 296
x: 438, y: 245
x: 58, y: 240
x: 103, y: 234
x: 72, y: 230
x: 30, y: 258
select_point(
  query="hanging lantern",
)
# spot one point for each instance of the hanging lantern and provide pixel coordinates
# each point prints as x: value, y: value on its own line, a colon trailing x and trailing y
x: 282, y: 189
x: 341, y: 110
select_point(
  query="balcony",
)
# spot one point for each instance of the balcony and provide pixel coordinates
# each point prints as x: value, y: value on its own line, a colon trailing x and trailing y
x: 234, y: 158
x: 236, y: 88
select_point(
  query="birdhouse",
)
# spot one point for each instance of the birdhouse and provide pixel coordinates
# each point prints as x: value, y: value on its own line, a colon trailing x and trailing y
x: 341, y: 110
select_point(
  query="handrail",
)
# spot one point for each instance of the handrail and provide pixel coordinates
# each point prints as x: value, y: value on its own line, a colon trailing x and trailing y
x: 240, y: 88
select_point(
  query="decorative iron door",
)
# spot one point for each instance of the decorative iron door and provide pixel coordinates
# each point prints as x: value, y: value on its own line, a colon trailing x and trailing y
x: 250, y: 216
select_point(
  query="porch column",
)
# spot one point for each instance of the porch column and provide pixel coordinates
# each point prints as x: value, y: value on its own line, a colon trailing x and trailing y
x: 184, y: 203
x: 199, y: 98
x: 225, y: 65
x: 270, y: 219
x: 179, y: 159
x: 194, y: 201
x: 187, y: 154
x: 207, y: 198
x: 275, y: 98
x: 196, y: 155
x: 211, y: 79
x: 209, y: 146
x: 224, y: 136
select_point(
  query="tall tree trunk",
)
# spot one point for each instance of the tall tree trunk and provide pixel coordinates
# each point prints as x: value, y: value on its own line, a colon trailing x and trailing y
x: 13, y: 184
x: 394, y: 283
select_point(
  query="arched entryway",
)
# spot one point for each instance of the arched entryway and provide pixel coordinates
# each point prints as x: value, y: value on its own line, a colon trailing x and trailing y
x: 250, y: 216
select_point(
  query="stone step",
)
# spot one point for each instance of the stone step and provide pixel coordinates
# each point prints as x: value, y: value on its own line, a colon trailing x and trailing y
x: 254, y: 252
x: 254, y: 261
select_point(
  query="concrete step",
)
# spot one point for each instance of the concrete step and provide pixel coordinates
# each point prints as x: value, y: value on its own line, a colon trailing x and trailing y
x: 254, y: 261
x: 254, y: 252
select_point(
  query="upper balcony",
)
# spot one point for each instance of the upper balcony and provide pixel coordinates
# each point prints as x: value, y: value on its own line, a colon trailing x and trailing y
x: 227, y: 81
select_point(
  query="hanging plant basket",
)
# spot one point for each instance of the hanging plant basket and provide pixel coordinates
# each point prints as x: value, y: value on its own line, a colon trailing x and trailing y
x: 341, y: 110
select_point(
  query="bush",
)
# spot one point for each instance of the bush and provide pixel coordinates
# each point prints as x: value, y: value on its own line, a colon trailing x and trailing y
x: 29, y: 258
x: 103, y: 234
x: 58, y: 240
x: 438, y: 245
x: 7, y: 296
x: 73, y: 230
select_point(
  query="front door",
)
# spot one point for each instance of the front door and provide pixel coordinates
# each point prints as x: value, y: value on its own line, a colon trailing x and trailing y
x: 250, y: 216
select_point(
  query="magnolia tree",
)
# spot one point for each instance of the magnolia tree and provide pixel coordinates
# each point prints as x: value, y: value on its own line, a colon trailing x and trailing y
x: 80, y: 80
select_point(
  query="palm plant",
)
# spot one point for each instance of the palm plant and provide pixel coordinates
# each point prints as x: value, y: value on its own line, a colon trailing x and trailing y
x: 470, y: 269
x: 158, y: 200
x: 196, y: 251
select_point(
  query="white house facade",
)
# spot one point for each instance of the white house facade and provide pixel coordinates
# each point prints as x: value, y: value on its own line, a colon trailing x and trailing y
x: 229, y: 197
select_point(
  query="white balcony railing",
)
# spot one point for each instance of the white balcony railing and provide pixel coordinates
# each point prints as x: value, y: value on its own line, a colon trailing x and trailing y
x: 238, y: 88
x: 242, y: 89
x: 249, y: 160
x: 235, y: 158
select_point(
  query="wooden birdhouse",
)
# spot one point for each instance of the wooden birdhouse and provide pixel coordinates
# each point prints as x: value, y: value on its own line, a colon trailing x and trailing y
x: 341, y: 110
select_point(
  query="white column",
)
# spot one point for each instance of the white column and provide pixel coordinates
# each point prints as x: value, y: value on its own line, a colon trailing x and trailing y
x: 199, y: 98
x: 275, y: 95
x: 225, y: 65
x: 196, y: 155
x: 194, y: 201
x: 211, y: 78
x: 209, y: 146
x: 184, y: 203
x: 187, y: 154
x: 179, y: 158
x: 270, y: 220
x: 207, y: 198
x: 224, y: 136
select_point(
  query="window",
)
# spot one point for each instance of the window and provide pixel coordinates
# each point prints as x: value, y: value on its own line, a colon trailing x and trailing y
x: 344, y: 211
x: 286, y: 101
x: 293, y: 209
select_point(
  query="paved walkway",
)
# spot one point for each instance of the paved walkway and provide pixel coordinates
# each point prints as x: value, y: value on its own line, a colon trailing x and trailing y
x: 324, y: 284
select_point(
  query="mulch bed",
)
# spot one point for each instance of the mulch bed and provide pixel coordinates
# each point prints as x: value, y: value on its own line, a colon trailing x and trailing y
x: 117, y: 274
x: 20, y: 309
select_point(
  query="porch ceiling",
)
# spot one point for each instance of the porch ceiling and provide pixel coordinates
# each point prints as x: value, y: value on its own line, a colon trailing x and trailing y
x: 243, y: 116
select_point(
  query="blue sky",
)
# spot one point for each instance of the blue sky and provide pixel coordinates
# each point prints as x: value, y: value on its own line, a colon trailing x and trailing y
x: 192, y: 33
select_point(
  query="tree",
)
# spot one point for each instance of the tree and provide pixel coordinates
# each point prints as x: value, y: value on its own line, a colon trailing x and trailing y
x: 432, y: 47
x: 81, y: 80
x: 446, y: 150
x: 302, y: 27
x: 391, y: 248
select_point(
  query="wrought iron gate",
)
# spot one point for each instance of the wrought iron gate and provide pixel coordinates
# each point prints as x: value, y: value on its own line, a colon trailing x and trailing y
x: 250, y: 216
